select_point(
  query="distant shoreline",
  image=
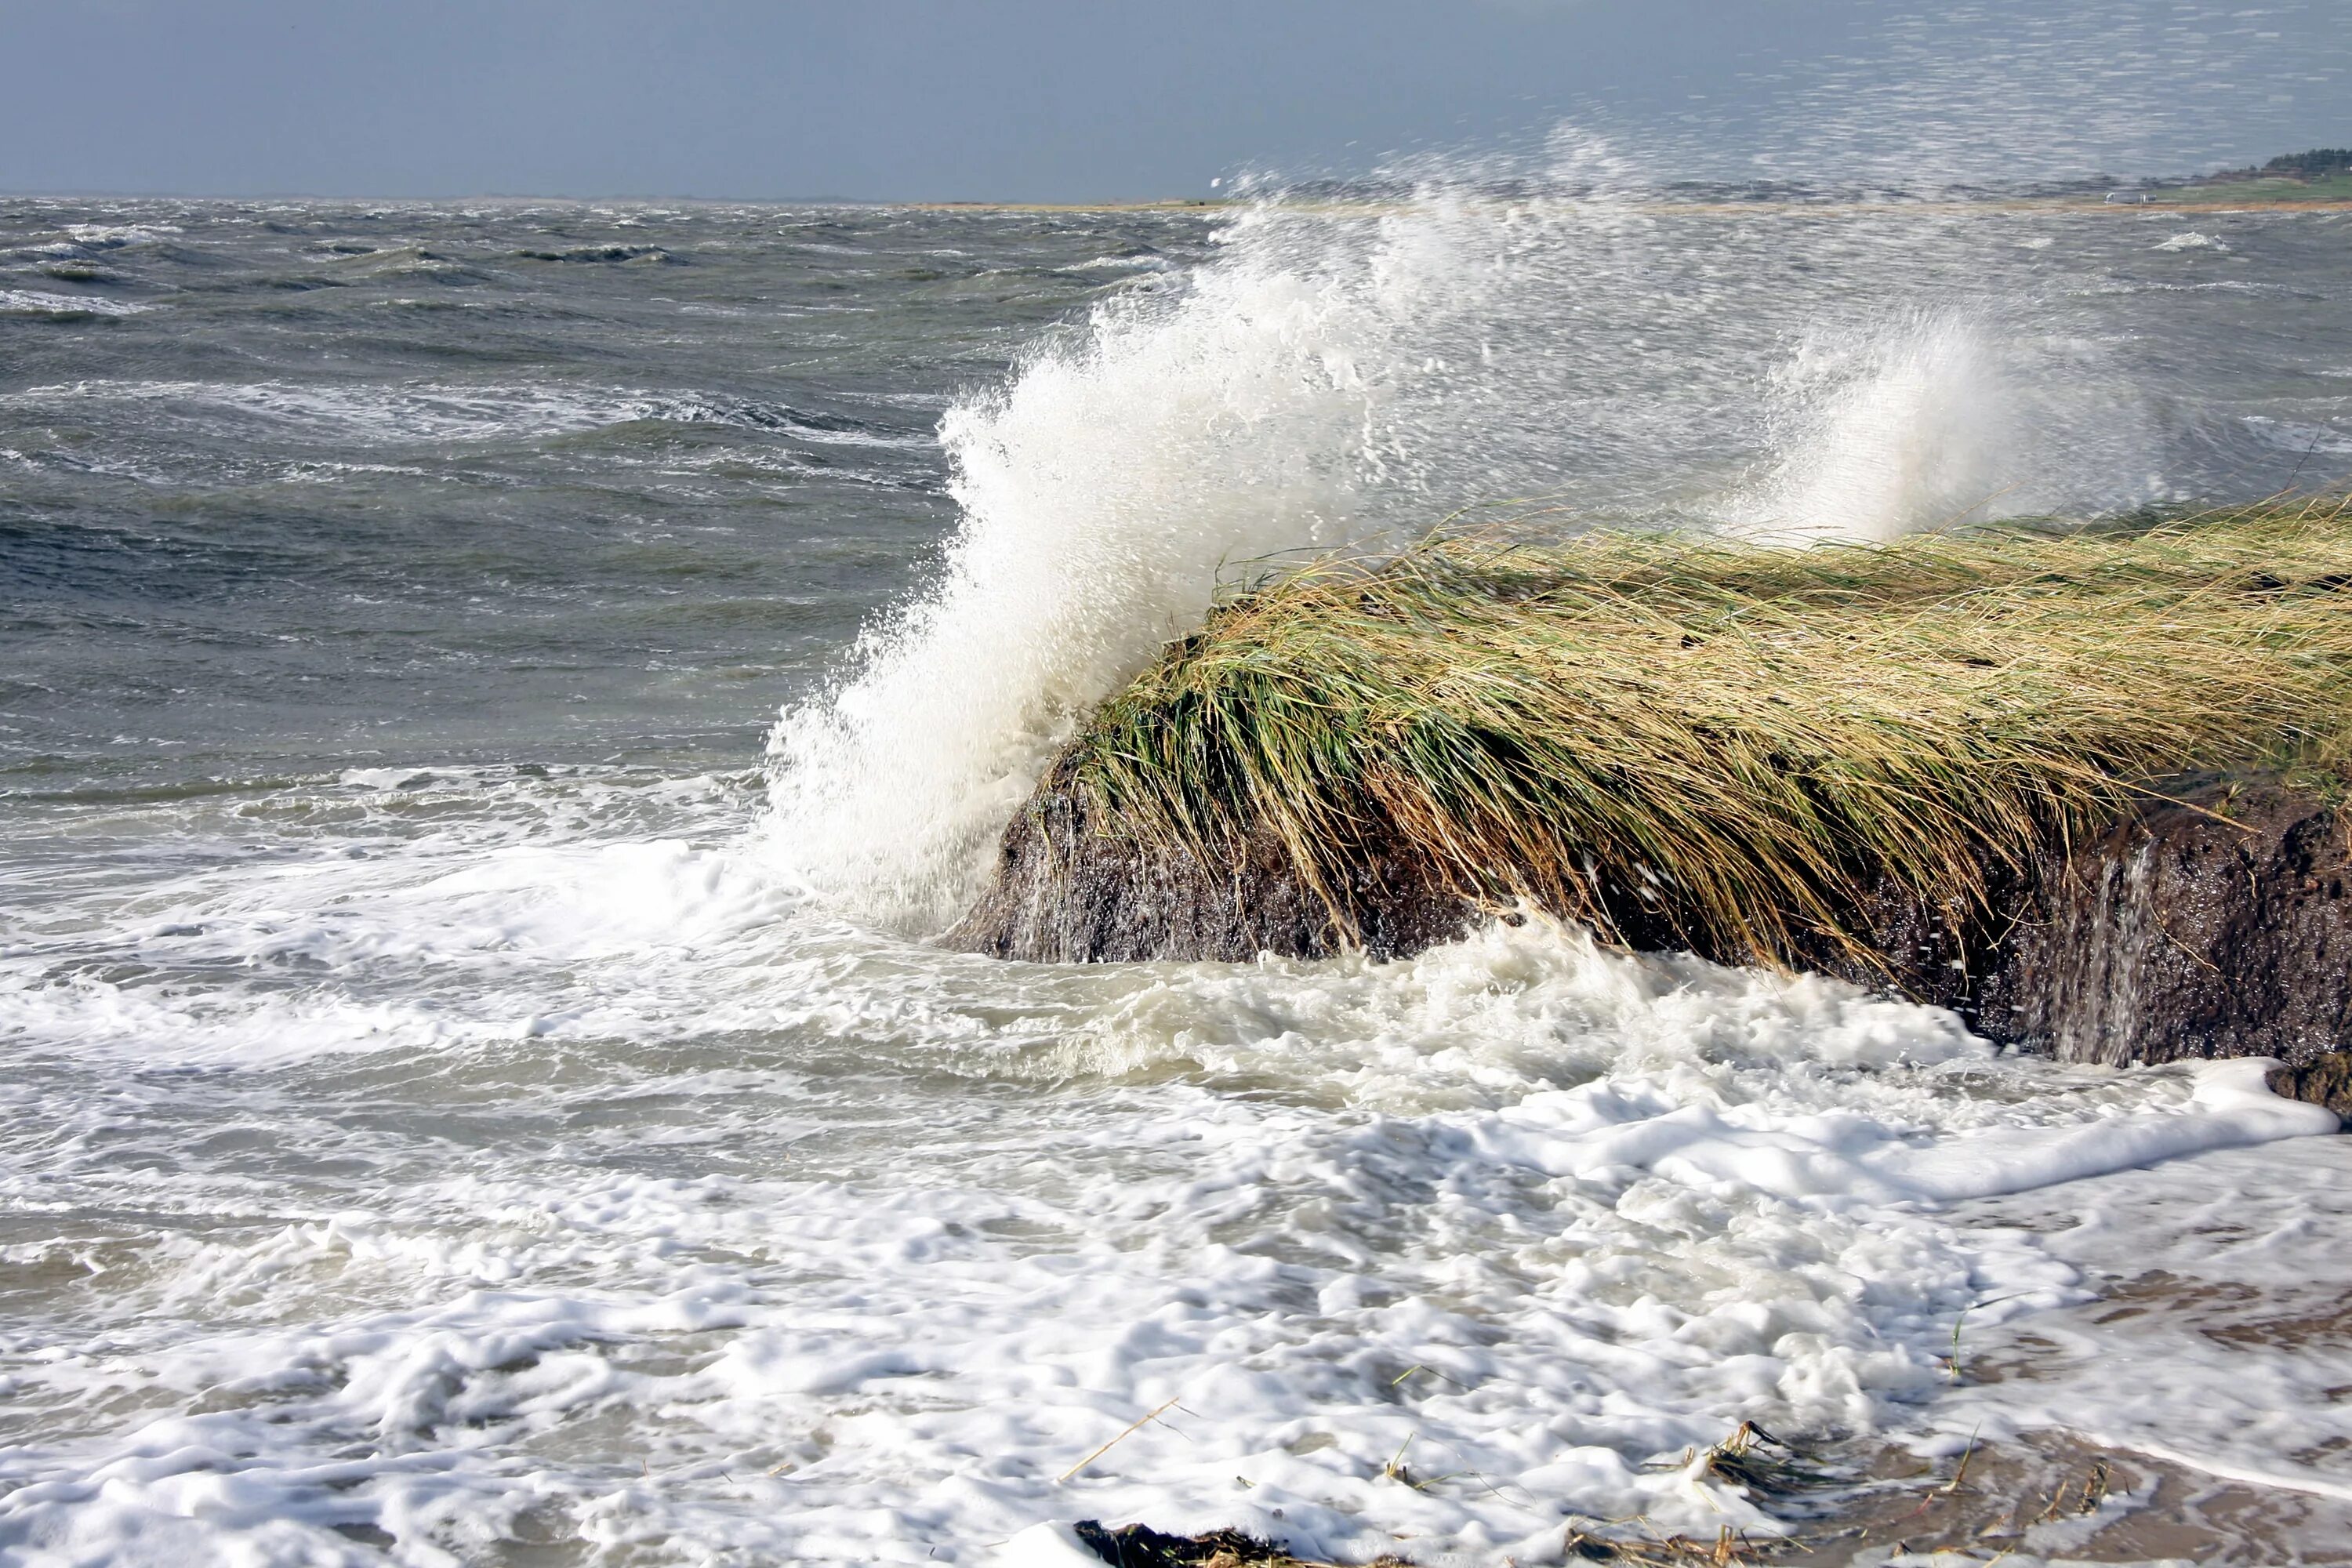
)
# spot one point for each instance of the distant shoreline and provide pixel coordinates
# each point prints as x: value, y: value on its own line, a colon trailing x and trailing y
x: 2201, y: 202
x: 1762, y: 208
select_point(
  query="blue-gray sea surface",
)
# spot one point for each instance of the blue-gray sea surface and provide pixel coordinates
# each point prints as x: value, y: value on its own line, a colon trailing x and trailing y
x: 476, y: 1090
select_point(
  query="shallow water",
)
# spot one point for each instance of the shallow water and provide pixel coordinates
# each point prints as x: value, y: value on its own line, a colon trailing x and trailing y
x: 477, y: 1100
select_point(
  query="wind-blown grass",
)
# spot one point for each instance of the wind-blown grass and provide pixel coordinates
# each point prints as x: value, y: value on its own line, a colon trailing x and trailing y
x: 1745, y: 740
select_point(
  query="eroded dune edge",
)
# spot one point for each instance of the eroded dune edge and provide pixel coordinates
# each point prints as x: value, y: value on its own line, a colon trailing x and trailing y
x: 2079, y: 783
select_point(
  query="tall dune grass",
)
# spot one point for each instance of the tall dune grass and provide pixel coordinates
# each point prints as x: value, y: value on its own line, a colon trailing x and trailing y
x: 1744, y: 740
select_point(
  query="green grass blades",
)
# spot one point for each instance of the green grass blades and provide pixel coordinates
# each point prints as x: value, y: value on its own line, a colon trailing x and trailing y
x: 1749, y: 740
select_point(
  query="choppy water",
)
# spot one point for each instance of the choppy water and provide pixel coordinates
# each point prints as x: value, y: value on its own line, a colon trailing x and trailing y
x: 475, y: 1097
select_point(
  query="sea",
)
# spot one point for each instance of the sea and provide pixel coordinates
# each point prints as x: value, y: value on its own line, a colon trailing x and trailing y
x: 498, y: 700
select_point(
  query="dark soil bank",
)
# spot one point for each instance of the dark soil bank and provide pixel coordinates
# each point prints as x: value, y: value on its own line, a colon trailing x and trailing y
x: 2211, y: 923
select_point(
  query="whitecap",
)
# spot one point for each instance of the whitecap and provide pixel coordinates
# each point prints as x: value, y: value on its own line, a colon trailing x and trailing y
x: 31, y: 302
x: 115, y: 236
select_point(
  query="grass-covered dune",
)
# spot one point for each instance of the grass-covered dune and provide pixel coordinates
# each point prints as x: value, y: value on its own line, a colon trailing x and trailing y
x: 1807, y: 756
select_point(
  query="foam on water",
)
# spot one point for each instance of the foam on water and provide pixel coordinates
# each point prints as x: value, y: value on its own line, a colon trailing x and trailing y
x: 1536, y: 1216
x: 2234, y: 1253
x: 588, y: 1212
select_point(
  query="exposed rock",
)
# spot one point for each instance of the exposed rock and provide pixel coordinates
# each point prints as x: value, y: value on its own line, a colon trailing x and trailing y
x: 1069, y: 890
x: 2325, y: 1079
x: 2213, y: 923
x: 2217, y: 927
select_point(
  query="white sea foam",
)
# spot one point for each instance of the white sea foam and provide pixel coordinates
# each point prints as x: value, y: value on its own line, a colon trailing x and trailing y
x: 2190, y: 240
x: 1537, y: 1217
x: 2216, y: 1344
x: 625, y: 1199
x: 413, y: 412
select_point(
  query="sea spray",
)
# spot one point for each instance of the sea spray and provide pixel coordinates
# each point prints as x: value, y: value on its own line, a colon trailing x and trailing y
x: 1346, y: 371
x: 1921, y: 417
x: 1103, y: 490
x: 1319, y: 383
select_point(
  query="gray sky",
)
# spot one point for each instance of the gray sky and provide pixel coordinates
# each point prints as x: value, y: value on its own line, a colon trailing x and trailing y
x: 1060, y: 100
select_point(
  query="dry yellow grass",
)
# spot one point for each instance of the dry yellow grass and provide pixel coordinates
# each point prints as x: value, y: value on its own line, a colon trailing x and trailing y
x: 1749, y: 738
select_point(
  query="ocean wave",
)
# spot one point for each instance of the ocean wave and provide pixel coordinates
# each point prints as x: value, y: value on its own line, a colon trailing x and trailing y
x: 1147, y: 261
x: 117, y: 236
x: 30, y: 303
x: 1347, y: 378
x: 2298, y: 436
x: 412, y: 261
x: 79, y: 270
x: 749, y: 414
x: 412, y: 412
x: 607, y: 253
x: 2203, y: 285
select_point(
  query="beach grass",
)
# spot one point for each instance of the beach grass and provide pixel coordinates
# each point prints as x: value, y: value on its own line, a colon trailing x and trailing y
x: 1748, y: 740
x: 2272, y: 192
